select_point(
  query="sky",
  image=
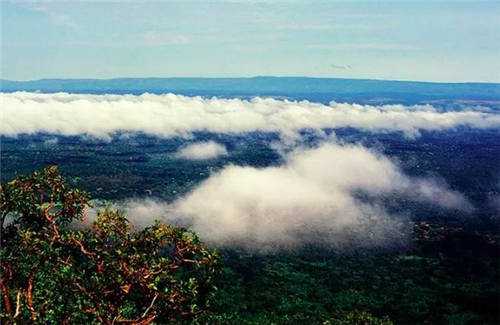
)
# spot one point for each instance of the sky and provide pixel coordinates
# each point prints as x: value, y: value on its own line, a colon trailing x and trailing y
x: 454, y: 41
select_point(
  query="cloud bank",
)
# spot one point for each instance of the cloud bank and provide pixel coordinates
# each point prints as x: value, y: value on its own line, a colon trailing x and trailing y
x: 174, y: 115
x: 202, y: 151
x: 313, y: 198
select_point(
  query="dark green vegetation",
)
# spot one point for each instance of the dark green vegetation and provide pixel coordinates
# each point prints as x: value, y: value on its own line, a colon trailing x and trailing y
x: 109, y: 272
x: 129, y: 166
x: 449, y: 276
x: 144, y: 166
x: 106, y: 273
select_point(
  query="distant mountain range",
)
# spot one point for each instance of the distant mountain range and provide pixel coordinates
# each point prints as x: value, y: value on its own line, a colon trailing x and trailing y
x: 317, y: 89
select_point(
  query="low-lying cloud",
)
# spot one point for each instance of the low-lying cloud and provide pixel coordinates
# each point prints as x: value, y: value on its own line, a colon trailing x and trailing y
x: 313, y: 198
x: 202, y: 151
x: 174, y: 115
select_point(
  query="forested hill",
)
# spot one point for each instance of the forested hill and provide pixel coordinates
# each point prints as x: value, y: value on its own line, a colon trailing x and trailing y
x: 318, y: 89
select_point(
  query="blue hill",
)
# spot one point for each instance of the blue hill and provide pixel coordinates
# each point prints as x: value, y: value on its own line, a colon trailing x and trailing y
x: 317, y: 89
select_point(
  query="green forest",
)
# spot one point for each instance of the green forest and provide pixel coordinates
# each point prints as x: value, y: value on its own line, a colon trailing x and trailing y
x: 60, y: 268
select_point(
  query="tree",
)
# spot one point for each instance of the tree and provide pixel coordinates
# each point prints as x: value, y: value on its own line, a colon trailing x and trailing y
x: 109, y: 272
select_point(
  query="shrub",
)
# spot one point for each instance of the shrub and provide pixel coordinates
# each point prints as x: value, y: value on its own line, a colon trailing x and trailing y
x: 108, y: 272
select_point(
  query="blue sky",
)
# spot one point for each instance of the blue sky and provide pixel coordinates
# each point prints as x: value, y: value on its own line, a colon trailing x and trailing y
x: 432, y: 41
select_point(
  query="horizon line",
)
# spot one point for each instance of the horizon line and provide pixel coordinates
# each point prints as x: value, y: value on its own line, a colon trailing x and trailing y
x: 255, y: 77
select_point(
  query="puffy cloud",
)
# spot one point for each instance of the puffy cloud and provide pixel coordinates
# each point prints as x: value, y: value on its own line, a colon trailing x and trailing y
x: 313, y: 198
x: 174, y: 115
x: 202, y: 151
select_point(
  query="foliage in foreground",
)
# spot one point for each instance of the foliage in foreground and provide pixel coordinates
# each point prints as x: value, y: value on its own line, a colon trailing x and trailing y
x: 107, y: 273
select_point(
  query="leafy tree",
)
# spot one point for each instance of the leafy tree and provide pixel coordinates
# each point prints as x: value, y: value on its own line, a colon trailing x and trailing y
x: 54, y: 270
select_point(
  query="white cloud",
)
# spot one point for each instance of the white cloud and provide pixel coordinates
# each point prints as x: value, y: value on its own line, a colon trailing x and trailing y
x: 202, y: 151
x: 366, y: 46
x: 155, y: 38
x: 341, y: 66
x: 174, y: 115
x: 311, y: 198
x: 51, y: 142
x: 56, y: 17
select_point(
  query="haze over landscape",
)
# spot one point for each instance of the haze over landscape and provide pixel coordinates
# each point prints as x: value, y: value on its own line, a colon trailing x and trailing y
x: 326, y: 188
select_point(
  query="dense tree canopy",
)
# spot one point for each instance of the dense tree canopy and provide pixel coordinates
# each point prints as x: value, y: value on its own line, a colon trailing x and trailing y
x: 55, y: 270
x: 59, y: 267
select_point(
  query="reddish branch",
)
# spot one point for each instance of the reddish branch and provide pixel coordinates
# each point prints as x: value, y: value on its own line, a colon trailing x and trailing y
x: 145, y: 320
x: 52, y: 221
x: 82, y: 248
x: 29, y: 297
x: 91, y: 310
x: 6, y: 297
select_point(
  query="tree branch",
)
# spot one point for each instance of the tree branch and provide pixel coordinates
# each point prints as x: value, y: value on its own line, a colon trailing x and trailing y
x: 150, y: 305
x: 29, y: 297
x: 5, y: 296
x: 18, y: 304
